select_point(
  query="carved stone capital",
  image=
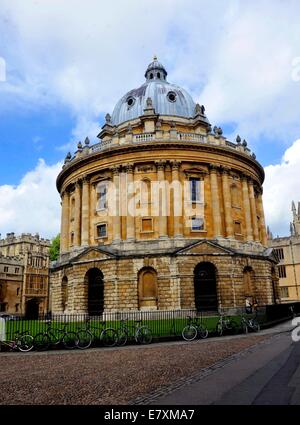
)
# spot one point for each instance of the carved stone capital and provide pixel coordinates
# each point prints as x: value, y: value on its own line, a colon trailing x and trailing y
x: 214, y: 168
x: 160, y: 165
x: 129, y: 168
x: 85, y: 179
x: 225, y: 170
x: 175, y: 164
x: 115, y: 170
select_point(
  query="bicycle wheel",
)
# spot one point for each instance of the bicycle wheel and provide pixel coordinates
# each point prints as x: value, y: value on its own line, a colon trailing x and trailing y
x: 41, y: 341
x: 203, y: 332
x: 70, y: 340
x: 233, y: 327
x: 219, y: 329
x: 143, y: 335
x: 109, y: 337
x: 254, y: 326
x: 189, y: 333
x: 25, y: 343
x: 122, y: 338
x: 85, y: 339
x: 244, y: 328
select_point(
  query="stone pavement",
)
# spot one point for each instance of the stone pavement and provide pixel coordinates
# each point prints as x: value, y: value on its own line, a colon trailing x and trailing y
x: 268, y: 373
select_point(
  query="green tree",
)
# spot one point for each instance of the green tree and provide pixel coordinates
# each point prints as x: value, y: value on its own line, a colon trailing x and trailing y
x: 54, y: 248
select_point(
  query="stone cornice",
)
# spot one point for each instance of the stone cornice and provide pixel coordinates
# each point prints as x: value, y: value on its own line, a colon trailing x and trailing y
x: 159, y: 145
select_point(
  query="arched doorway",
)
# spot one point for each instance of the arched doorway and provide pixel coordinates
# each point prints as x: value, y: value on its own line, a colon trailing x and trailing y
x: 148, y: 289
x: 32, y: 309
x: 205, y: 285
x: 95, y: 286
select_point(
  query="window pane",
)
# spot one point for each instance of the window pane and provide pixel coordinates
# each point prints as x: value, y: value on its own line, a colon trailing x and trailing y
x: 197, y: 223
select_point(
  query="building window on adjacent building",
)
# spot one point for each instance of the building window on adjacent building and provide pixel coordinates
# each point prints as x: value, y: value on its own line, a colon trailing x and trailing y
x: 5, y: 269
x: 284, y: 292
x: 102, y: 196
x: 101, y: 230
x: 237, y: 228
x: 197, y: 224
x: 17, y: 270
x: 281, y: 272
x: 280, y: 254
x: 18, y: 291
x: 17, y: 308
x: 147, y: 225
x: 195, y: 189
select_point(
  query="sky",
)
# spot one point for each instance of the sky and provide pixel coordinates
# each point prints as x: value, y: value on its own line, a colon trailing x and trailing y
x: 64, y: 65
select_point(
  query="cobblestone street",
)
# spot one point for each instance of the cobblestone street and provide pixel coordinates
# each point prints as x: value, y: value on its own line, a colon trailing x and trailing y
x: 110, y: 376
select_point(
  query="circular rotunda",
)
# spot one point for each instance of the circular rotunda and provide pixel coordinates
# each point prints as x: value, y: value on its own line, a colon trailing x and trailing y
x: 164, y: 213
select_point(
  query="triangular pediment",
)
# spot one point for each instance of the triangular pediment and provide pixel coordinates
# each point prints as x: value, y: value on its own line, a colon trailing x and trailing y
x: 205, y: 248
x: 93, y: 254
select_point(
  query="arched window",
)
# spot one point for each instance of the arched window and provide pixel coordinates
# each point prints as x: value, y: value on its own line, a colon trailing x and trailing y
x: 158, y: 75
x: 94, y: 287
x: 64, y: 293
x: 151, y: 76
x: 72, y: 208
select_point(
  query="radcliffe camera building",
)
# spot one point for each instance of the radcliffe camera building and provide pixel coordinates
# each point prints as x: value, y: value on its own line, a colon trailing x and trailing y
x: 163, y: 213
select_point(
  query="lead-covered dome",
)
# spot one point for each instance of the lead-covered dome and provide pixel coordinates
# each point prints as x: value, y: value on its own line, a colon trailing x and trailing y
x: 167, y: 99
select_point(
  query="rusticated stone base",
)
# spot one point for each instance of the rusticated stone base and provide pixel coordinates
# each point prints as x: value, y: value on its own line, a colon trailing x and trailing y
x: 174, y: 273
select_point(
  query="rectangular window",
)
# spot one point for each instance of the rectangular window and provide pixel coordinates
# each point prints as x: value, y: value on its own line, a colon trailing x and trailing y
x: 195, y: 190
x: 147, y: 225
x: 282, y: 272
x: 5, y: 269
x: 18, y: 291
x: 197, y: 224
x: 101, y: 231
x: 17, y: 308
x: 284, y: 292
x: 279, y: 253
x: 237, y: 228
x: 72, y: 238
x: 17, y: 270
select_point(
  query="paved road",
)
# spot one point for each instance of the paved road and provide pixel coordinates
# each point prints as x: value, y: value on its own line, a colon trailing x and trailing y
x: 268, y: 375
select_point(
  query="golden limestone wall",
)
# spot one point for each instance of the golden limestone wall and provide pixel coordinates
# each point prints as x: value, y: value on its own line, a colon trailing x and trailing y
x: 175, y: 282
x: 232, y: 205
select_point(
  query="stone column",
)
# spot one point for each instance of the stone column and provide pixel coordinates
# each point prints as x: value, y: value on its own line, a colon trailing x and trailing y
x: 215, y: 200
x: 227, y: 203
x: 261, y: 214
x: 162, y: 219
x: 177, y: 199
x: 65, y: 207
x: 93, y: 212
x: 130, y: 219
x: 247, y: 211
x: 253, y: 210
x: 77, y: 218
x: 116, y: 212
x: 85, y: 218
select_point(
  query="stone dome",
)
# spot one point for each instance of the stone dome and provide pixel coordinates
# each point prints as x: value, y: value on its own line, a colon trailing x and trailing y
x: 167, y: 99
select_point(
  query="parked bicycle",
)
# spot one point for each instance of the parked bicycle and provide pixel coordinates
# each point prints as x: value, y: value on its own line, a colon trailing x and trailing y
x: 55, y: 337
x: 22, y: 342
x: 88, y: 333
x: 226, y: 324
x: 141, y: 333
x: 249, y: 323
x: 194, y: 328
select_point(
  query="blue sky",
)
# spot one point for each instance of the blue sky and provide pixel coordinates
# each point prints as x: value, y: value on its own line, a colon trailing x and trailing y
x: 66, y: 67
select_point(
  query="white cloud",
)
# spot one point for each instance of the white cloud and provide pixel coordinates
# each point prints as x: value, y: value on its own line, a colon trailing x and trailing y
x: 235, y: 56
x: 280, y: 188
x: 34, y: 204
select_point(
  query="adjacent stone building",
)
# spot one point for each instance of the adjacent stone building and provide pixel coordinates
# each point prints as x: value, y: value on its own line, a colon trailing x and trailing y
x: 163, y: 213
x: 287, y: 250
x: 24, y: 274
